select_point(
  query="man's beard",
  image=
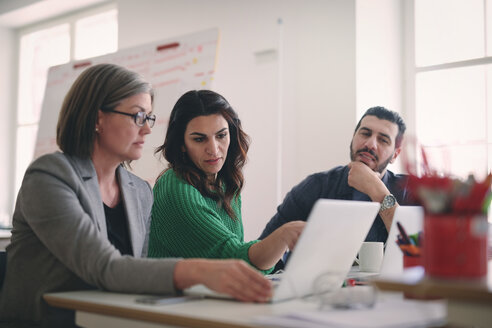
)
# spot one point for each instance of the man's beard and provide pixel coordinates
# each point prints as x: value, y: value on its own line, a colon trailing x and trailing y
x: 379, y: 167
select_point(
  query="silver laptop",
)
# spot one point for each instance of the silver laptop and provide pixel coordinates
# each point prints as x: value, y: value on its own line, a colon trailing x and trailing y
x: 411, y: 218
x: 326, y: 248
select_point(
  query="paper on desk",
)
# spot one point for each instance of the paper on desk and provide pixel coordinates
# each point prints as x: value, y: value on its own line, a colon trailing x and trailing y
x: 389, y: 313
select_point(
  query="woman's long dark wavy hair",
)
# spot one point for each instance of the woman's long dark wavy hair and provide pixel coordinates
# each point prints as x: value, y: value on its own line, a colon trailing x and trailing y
x: 230, y: 179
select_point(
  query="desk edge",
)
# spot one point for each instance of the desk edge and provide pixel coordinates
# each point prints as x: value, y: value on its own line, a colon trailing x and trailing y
x: 137, y: 314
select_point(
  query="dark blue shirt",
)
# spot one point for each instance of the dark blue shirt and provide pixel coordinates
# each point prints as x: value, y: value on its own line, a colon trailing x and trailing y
x: 333, y: 184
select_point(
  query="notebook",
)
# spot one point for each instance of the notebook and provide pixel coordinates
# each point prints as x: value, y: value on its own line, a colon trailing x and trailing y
x: 411, y: 218
x: 330, y: 241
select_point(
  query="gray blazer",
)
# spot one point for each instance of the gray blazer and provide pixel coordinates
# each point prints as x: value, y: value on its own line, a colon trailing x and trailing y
x: 59, y: 238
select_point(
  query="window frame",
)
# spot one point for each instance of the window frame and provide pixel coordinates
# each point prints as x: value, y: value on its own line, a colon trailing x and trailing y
x: 70, y: 19
x: 411, y: 70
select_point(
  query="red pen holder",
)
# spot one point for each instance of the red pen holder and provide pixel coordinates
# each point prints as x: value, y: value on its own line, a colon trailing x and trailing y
x: 455, y: 246
x: 408, y: 262
x: 411, y: 261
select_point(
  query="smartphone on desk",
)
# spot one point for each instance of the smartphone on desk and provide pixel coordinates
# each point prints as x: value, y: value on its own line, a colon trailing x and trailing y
x: 165, y: 300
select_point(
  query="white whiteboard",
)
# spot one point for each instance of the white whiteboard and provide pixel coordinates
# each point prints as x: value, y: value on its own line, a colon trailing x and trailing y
x: 172, y: 66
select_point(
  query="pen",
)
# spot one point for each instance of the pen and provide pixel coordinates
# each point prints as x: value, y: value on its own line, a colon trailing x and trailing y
x: 414, y: 239
x: 403, y: 233
x: 351, y: 282
x: 411, y: 250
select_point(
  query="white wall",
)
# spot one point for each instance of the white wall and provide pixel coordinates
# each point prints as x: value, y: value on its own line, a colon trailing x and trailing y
x: 379, y: 57
x: 7, y: 121
x: 379, y: 54
x: 308, y: 69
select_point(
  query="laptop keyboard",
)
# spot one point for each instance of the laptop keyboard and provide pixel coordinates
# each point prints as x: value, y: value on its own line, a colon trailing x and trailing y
x: 275, y: 278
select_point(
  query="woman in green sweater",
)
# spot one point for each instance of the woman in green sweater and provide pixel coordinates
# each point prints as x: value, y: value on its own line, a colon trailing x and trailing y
x: 197, y: 201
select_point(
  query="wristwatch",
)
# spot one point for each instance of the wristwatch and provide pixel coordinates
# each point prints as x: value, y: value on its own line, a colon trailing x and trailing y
x: 388, y: 202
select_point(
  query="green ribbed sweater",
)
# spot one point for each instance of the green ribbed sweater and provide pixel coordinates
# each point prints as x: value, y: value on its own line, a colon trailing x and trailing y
x: 187, y: 224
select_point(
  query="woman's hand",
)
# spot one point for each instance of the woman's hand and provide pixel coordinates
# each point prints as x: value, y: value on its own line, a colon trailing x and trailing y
x: 267, y: 252
x: 232, y: 277
x: 289, y: 233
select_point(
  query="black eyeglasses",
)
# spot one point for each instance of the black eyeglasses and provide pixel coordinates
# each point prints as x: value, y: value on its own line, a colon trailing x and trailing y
x: 140, y: 118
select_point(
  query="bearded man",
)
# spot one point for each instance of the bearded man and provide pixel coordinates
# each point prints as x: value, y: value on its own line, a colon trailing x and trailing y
x: 376, y: 143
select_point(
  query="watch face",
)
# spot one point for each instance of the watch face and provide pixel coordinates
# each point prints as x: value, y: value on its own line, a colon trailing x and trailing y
x: 389, y: 201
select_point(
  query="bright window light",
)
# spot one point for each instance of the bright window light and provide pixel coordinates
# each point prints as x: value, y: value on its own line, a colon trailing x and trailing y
x: 448, y: 31
x: 460, y: 160
x: 453, y: 103
x: 39, y: 51
x: 26, y: 140
x: 94, y: 35
x: 451, y: 106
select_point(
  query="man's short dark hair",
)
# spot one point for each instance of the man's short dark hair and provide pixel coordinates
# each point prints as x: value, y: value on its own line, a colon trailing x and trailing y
x: 388, y: 115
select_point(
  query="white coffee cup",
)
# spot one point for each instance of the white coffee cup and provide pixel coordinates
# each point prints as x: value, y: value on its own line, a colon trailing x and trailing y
x: 370, y: 256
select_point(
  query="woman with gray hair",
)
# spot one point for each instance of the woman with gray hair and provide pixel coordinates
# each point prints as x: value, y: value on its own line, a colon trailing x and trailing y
x: 82, y: 220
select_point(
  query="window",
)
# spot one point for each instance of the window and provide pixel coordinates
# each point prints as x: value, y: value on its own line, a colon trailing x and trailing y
x: 38, y: 51
x: 453, y: 84
x: 448, y: 31
x: 80, y: 36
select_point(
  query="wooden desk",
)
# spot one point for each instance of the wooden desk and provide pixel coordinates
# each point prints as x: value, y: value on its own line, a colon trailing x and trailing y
x: 104, y: 309
x: 98, y: 309
x: 469, y: 303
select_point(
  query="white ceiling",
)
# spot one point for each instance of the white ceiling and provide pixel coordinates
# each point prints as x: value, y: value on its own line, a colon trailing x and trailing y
x: 17, y: 13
